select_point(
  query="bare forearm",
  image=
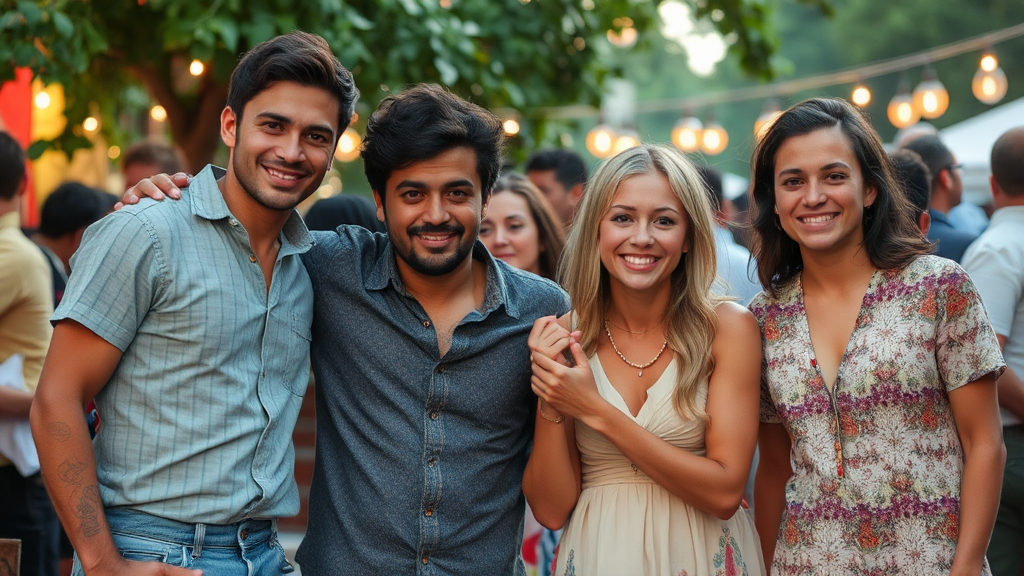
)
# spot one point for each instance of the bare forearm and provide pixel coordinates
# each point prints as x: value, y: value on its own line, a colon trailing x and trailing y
x: 1011, y: 392
x: 69, y: 470
x: 712, y: 486
x: 14, y: 403
x: 551, y: 482
x: 979, y: 500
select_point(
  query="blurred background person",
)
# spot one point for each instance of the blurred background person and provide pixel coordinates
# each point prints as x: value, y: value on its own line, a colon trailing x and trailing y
x: 947, y: 190
x: 26, y: 303
x: 995, y: 262
x: 146, y: 158
x: 736, y: 269
x: 521, y: 228
x: 329, y: 213
x: 913, y: 175
x: 66, y: 213
x: 561, y: 176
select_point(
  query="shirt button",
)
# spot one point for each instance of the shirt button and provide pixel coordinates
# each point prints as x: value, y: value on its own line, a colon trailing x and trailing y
x: 264, y: 374
x: 428, y: 512
x: 442, y: 368
x: 424, y: 559
x: 426, y: 323
x: 234, y: 222
x: 252, y: 258
x: 434, y: 415
x: 244, y: 534
x: 431, y: 462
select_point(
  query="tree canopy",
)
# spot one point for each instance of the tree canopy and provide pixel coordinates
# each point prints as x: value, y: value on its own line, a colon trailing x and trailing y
x: 502, y: 54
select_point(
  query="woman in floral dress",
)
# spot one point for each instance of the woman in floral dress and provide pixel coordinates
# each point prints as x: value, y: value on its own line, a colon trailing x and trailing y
x: 881, y: 449
x: 646, y: 441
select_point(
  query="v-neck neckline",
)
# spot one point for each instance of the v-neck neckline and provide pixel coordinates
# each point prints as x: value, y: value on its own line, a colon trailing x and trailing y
x: 872, y: 284
x: 622, y: 405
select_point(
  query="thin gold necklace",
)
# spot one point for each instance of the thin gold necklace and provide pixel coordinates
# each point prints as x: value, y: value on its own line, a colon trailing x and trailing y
x: 640, y: 367
x: 640, y: 333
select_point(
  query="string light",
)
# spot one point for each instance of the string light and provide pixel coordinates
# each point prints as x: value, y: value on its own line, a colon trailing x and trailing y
x: 686, y: 134
x: 901, y: 110
x: 158, y: 113
x: 196, y: 68
x: 930, y: 97
x: 861, y: 95
x: 91, y: 124
x: 600, y: 140
x: 769, y: 114
x: 627, y: 139
x: 714, y: 138
x: 511, y: 127
x: 989, y: 84
x: 42, y: 100
x: 626, y: 34
x: 348, y: 145
x: 114, y: 152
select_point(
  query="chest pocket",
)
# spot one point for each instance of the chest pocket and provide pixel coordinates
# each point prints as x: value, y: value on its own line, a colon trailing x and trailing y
x: 286, y: 351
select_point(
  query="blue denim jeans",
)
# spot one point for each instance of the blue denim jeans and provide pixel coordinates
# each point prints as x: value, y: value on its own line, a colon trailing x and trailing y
x: 249, y: 548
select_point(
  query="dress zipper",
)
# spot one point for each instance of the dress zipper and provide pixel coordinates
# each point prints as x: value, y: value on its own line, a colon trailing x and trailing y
x: 838, y: 445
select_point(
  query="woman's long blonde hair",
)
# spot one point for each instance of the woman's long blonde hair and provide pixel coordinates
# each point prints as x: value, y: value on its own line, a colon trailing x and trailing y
x: 690, y: 320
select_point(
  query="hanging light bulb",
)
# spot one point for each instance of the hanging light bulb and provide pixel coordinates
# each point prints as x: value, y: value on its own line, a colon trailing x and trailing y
x: 627, y: 139
x: 901, y: 109
x: 196, y: 68
x: 989, y: 83
x: 348, y: 145
x: 861, y: 95
x: 158, y: 113
x: 600, y: 140
x: 687, y: 132
x: 930, y: 97
x: 511, y: 127
x: 91, y: 124
x: 714, y: 138
x: 769, y: 114
x: 625, y: 36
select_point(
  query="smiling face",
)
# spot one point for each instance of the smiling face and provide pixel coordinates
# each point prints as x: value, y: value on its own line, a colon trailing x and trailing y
x: 283, y: 143
x: 820, y: 194
x: 643, y: 235
x: 510, y: 232
x: 432, y: 210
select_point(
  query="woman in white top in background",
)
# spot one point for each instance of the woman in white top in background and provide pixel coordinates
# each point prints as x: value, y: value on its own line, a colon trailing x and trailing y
x: 644, y: 444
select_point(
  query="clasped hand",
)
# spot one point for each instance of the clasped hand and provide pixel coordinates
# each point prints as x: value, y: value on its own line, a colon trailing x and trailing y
x: 567, y: 386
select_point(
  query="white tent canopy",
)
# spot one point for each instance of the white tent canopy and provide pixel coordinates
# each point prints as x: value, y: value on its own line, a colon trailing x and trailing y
x: 971, y: 143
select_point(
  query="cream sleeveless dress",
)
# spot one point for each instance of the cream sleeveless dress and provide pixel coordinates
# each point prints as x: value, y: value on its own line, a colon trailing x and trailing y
x: 626, y: 525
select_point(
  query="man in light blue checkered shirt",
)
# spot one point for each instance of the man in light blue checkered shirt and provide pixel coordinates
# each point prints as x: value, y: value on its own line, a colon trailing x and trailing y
x: 190, y: 324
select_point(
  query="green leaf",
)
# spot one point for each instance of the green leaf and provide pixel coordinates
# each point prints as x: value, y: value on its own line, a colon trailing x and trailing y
x: 357, y: 20
x: 36, y: 149
x: 63, y: 24
x: 9, y: 20
x: 227, y: 30
x: 33, y: 15
x: 449, y: 74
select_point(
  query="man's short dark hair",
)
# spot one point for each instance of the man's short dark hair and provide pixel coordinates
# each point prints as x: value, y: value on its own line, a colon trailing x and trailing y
x: 152, y: 152
x: 568, y: 166
x: 423, y: 122
x: 71, y: 207
x: 713, y: 179
x: 935, y: 155
x: 12, y: 166
x: 299, y: 57
x: 915, y: 177
x: 1008, y: 162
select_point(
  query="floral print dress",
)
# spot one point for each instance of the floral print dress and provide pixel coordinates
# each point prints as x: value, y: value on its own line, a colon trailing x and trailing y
x: 877, y: 462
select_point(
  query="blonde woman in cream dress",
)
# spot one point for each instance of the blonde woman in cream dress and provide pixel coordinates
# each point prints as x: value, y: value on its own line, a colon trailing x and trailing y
x: 648, y: 409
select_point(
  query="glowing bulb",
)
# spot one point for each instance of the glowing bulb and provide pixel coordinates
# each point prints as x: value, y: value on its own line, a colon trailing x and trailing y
x: 91, y: 124
x: 348, y: 145
x: 627, y: 34
x: 600, y: 140
x: 930, y: 97
x: 511, y: 127
x: 42, y: 100
x: 626, y: 140
x: 989, y: 87
x: 861, y: 95
x: 158, y: 113
x: 989, y: 62
x: 714, y: 139
x: 114, y: 152
x: 901, y: 111
x: 686, y: 134
x: 765, y: 121
x: 196, y: 68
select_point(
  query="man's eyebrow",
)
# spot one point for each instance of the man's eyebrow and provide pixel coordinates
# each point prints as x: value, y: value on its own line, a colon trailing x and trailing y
x: 286, y: 120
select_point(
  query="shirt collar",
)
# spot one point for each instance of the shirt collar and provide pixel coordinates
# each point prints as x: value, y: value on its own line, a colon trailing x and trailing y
x: 939, y: 217
x: 1007, y: 214
x: 207, y: 201
x: 10, y: 220
x: 385, y: 271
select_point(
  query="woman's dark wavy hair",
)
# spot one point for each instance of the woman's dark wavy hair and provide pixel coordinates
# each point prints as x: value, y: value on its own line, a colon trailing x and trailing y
x: 891, y: 238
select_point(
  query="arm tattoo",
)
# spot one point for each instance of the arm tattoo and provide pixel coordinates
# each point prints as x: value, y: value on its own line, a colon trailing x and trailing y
x: 70, y: 471
x: 60, y: 431
x: 87, y: 509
